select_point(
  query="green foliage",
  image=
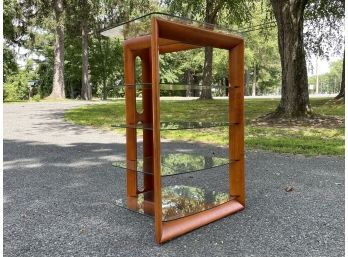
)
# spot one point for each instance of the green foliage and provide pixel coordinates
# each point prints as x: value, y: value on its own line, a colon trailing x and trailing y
x: 45, y: 77
x: 170, y: 68
x: 36, y: 98
x: 212, y: 11
x: 22, y: 20
x: 10, y: 93
x: 10, y: 66
x: 220, y: 65
x: 43, y: 46
x: 329, y: 82
x: 16, y: 87
x: 106, y: 64
x: 32, y: 25
x: 72, y: 66
x: 105, y: 56
x: 324, y: 21
x: 262, y: 59
x: 8, y: 17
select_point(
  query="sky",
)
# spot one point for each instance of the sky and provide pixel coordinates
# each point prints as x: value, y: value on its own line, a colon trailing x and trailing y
x: 323, y: 66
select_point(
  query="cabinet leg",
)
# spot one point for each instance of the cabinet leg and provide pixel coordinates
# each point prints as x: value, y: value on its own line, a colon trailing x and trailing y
x: 147, y: 119
x: 236, y: 117
x: 131, y: 134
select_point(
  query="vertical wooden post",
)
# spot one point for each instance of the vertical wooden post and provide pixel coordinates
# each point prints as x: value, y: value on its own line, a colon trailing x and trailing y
x: 236, y: 119
x: 147, y: 119
x: 156, y: 129
x: 131, y: 134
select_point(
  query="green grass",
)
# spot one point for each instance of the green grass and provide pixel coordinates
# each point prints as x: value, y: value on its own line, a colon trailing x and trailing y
x: 325, y: 107
x: 308, y: 141
x: 297, y: 140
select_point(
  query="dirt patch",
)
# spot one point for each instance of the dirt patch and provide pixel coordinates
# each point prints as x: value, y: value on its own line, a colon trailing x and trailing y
x: 318, y: 121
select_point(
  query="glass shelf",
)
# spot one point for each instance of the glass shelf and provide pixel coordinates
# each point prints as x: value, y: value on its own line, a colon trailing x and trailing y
x: 141, y: 26
x: 175, y: 163
x: 172, y: 125
x: 175, y: 86
x: 177, y: 201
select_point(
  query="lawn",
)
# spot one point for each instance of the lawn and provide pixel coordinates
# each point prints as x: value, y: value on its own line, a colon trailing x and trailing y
x: 309, y: 139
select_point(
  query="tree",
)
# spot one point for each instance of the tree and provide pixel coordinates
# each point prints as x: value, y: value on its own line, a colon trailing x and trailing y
x: 211, y: 12
x: 79, y: 17
x: 262, y: 62
x: 73, y: 62
x: 212, y: 9
x: 23, y: 20
x: 58, y: 88
x: 324, y: 22
x: 324, y: 35
x: 330, y: 81
x: 86, y: 19
x: 290, y: 16
x: 341, y: 94
x: 335, y: 76
x: 10, y: 66
x: 17, y: 20
x: 16, y: 86
x: 86, y: 88
x: 106, y: 56
x: 106, y: 64
x: 294, y: 101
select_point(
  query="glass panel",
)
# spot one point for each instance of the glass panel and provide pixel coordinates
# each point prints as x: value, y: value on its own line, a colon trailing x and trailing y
x: 141, y: 26
x: 176, y: 125
x: 175, y: 163
x: 177, y: 201
x: 173, y: 90
x: 174, y: 86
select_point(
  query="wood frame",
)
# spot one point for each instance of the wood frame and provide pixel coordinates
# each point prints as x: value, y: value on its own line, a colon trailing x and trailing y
x: 169, y: 36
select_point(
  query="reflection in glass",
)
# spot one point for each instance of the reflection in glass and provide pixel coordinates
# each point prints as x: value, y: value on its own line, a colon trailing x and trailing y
x: 177, y: 201
x: 175, y: 163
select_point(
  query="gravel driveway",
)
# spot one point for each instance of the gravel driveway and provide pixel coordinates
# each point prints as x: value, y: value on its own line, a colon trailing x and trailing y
x: 60, y: 191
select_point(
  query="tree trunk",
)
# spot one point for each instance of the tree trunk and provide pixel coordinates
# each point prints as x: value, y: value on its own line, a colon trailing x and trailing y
x: 210, y: 17
x: 86, y: 90
x: 343, y: 86
x: 294, y: 91
x: 105, y: 91
x: 207, y: 73
x: 226, y: 86
x: 317, y: 76
x: 71, y: 91
x: 253, y: 92
x: 58, y: 88
x: 188, y: 81
x: 246, y: 82
x: 104, y: 82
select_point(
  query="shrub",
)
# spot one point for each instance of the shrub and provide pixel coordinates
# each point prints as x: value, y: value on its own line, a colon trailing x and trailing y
x: 36, y: 98
x: 16, y: 87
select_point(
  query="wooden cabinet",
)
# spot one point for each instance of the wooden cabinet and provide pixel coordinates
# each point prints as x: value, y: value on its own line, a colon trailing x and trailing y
x: 177, y: 209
